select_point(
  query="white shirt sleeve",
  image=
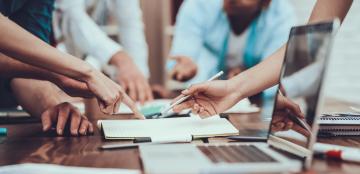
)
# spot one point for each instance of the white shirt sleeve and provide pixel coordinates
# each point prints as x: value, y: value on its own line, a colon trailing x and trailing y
x: 84, y: 32
x: 131, y: 31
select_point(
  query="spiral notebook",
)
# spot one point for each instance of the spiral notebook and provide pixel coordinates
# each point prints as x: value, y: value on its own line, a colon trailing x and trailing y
x: 339, y: 124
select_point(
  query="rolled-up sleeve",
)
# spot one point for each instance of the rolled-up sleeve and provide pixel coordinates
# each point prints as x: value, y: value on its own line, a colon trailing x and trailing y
x: 85, y: 33
x: 131, y: 31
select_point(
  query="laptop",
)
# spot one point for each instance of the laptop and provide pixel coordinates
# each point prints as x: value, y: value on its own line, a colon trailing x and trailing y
x: 302, y: 75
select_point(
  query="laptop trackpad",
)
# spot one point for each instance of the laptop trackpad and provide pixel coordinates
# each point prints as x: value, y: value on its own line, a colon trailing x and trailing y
x: 173, y: 158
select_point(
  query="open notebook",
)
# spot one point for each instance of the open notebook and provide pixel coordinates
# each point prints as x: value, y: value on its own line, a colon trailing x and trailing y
x: 182, y: 129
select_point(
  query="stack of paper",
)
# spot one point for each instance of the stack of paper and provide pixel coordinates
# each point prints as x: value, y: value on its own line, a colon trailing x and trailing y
x: 182, y: 129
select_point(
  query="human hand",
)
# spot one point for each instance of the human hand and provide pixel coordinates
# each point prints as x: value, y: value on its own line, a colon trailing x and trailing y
x: 234, y: 71
x: 130, y: 77
x: 282, y: 121
x: 66, y: 114
x: 109, y: 94
x: 184, y: 70
x: 209, y: 98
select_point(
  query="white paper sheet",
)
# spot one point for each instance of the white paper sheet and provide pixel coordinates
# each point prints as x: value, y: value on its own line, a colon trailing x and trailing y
x: 179, y: 129
x: 244, y: 106
x: 35, y: 168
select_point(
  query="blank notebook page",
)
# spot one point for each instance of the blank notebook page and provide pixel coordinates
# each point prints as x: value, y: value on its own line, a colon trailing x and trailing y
x: 172, y: 127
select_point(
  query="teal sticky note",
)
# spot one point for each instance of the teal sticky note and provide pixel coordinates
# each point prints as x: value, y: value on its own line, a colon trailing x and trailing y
x: 3, y: 131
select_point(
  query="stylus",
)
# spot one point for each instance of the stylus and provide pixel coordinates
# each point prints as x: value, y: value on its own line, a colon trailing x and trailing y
x: 187, y: 96
x: 127, y: 145
x: 247, y: 138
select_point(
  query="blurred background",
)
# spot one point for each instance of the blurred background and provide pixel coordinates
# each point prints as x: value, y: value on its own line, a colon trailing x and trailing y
x: 344, y: 72
x: 343, y: 81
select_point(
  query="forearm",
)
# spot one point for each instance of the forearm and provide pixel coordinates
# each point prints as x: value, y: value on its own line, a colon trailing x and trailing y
x: 259, y: 77
x: 325, y: 10
x: 23, y: 46
x: 267, y: 73
x: 11, y: 68
x: 37, y: 97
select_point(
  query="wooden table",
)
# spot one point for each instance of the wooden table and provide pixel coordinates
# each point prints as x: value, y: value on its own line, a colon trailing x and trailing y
x: 27, y: 143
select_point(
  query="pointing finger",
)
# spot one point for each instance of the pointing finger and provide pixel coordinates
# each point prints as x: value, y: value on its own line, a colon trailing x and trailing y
x: 127, y: 100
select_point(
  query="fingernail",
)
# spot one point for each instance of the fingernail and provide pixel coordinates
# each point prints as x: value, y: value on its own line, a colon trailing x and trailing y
x: 185, y: 91
x: 45, y: 128
x: 60, y: 131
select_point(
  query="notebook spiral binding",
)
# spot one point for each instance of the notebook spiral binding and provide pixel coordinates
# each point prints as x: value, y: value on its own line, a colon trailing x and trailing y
x: 340, y: 118
x: 327, y: 134
x: 336, y: 127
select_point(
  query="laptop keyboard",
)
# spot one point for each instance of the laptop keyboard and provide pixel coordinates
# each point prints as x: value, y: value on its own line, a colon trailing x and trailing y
x: 235, y: 153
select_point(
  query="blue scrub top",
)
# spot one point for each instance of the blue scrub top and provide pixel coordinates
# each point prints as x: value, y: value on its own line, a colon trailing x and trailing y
x: 34, y: 16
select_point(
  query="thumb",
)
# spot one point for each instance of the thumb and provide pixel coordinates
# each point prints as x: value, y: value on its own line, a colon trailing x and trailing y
x: 200, y: 87
x: 104, y: 107
x: 131, y: 104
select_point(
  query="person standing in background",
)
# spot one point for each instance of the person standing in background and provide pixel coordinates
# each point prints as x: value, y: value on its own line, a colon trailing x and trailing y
x: 83, y: 37
x: 210, y: 98
x: 230, y: 35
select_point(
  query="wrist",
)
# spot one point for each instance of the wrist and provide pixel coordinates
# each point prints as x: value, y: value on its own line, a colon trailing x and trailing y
x: 87, y: 76
x: 120, y: 58
x: 237, y: 86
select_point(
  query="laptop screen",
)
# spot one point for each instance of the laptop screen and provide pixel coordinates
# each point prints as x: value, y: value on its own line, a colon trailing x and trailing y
x: 293, y: 125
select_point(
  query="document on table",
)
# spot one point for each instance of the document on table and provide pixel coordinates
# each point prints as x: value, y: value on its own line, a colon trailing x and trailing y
x: 182, y: 129
x: 244, y: 106
x: 32, y: 168
x: 151, y: 107
x: 156, y: 106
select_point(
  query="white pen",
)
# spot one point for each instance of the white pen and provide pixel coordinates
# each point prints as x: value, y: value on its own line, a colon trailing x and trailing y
x: 129, y: 145
x: 350, y: 154
x: 355, y: 109
x: 187, y: 96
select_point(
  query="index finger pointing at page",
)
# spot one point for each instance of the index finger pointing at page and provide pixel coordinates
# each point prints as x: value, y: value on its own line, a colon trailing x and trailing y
x: 127, y: 100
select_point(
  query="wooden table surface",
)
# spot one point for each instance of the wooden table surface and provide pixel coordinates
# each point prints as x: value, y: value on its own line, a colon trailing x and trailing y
x: 27, y: 143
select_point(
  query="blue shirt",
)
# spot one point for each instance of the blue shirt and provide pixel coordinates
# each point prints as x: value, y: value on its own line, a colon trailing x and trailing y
x: 202, y: 31
x: 35, y: 16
